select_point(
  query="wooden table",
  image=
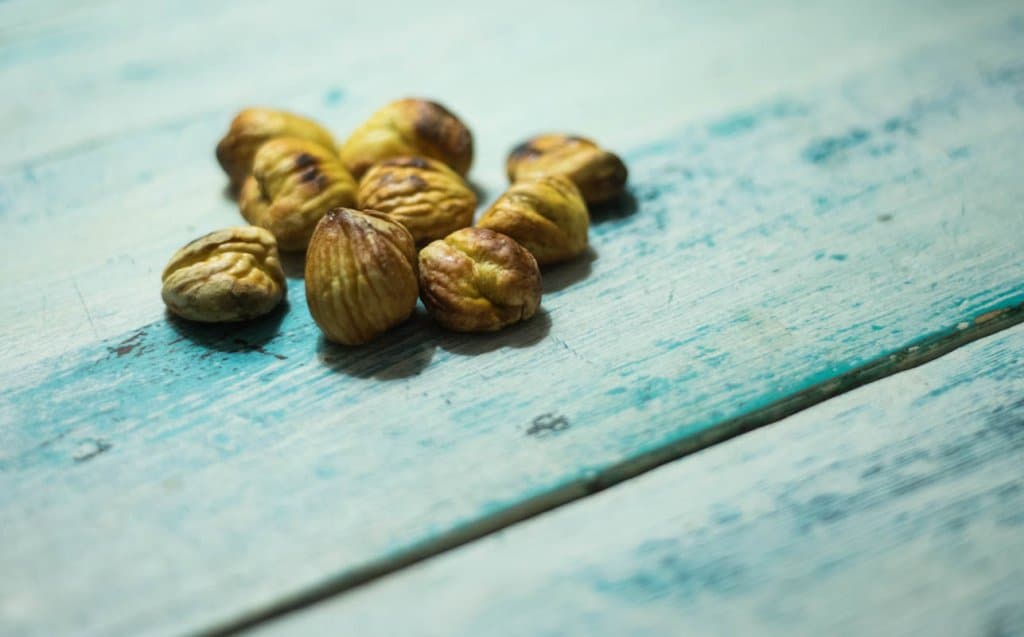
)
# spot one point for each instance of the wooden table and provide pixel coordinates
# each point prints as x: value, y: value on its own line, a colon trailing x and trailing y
x: 821, y: 198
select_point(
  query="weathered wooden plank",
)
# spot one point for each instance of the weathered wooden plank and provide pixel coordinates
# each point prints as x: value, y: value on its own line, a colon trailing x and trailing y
x: 199, y: 473
x: 896, y: 509
x: 83, y: 73
x: 123, y: 101
x: 164, y: 170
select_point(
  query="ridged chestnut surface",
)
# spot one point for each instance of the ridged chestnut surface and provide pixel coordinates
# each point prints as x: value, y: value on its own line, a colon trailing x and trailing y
x: 232, y: 274
x: 252, y: 128
x: 478, y: 280
x: 599, y: 174
x: 294, y: 183
x: 546, y: 215
x: 426, y: 196
x: 360, y: 275
x: 406, y: 127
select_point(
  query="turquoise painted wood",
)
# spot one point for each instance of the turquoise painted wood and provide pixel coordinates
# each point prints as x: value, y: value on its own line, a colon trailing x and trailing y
x: 804, y: 206
x: 896, y: 509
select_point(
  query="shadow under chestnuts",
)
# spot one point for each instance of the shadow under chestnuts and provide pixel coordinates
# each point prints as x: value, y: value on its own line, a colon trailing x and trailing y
x: 400, y: 353
x: 229, y: 338
x: 384, y: 220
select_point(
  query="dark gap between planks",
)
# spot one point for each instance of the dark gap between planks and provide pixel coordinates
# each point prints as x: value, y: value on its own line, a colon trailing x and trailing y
x: 919, y: 352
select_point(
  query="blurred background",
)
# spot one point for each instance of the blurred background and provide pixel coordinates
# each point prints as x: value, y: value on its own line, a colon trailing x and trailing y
x: 604, y: 68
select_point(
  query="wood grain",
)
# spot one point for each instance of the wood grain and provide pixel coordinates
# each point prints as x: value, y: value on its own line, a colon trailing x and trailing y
x: 157, y: 477
x: 896, y: 509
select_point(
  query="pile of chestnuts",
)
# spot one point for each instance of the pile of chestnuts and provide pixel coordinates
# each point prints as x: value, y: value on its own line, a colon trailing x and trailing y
x: 386, y: 218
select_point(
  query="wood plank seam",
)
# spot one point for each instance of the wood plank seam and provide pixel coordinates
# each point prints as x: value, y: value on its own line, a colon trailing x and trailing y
x: 894, y: 509
x: 921, y: 351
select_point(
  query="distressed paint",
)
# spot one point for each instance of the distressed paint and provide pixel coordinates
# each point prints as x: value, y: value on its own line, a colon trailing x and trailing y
x: 895, y: 509
x: 201, y: 474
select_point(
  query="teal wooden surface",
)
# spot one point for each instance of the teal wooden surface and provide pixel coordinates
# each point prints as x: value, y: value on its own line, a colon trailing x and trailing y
x: 803, y: 206
x: 896, y: 509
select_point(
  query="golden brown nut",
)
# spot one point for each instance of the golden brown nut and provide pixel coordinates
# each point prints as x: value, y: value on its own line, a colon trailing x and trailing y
x: 546, y: 215
x: 426, y: 196
x: 232, y: 274
x: 360, y: 275
x: 409, y: 127
x: 253, y: 127
x: 600, y: 175
x: 294, y: 183
x: 478, y: 280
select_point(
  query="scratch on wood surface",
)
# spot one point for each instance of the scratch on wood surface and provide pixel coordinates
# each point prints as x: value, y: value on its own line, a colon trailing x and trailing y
x: 89, y: 449
x: 85, y: 307
x: 572, y: 351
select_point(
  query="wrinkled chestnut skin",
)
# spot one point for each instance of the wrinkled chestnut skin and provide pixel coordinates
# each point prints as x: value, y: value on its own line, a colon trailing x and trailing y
x: 547, y: 216
x: 409, y: 127
x: 600, y: 175
x: 232, y: 274
x: 426, y: 196
x: 478, y: 280
x: 294, y: 183
x: 360, y: 275
x: 252, y: 128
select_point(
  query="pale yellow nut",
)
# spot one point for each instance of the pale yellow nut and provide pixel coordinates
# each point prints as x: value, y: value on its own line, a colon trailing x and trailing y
x: 232, y: 274
x: 294, y: 183
x: 478, y: 280
x: 599, y: 174
x: 360, y: 275
x: 252, y: 128
x: 426, y: 196
x: 546, y: 215
x: 409, y: 127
